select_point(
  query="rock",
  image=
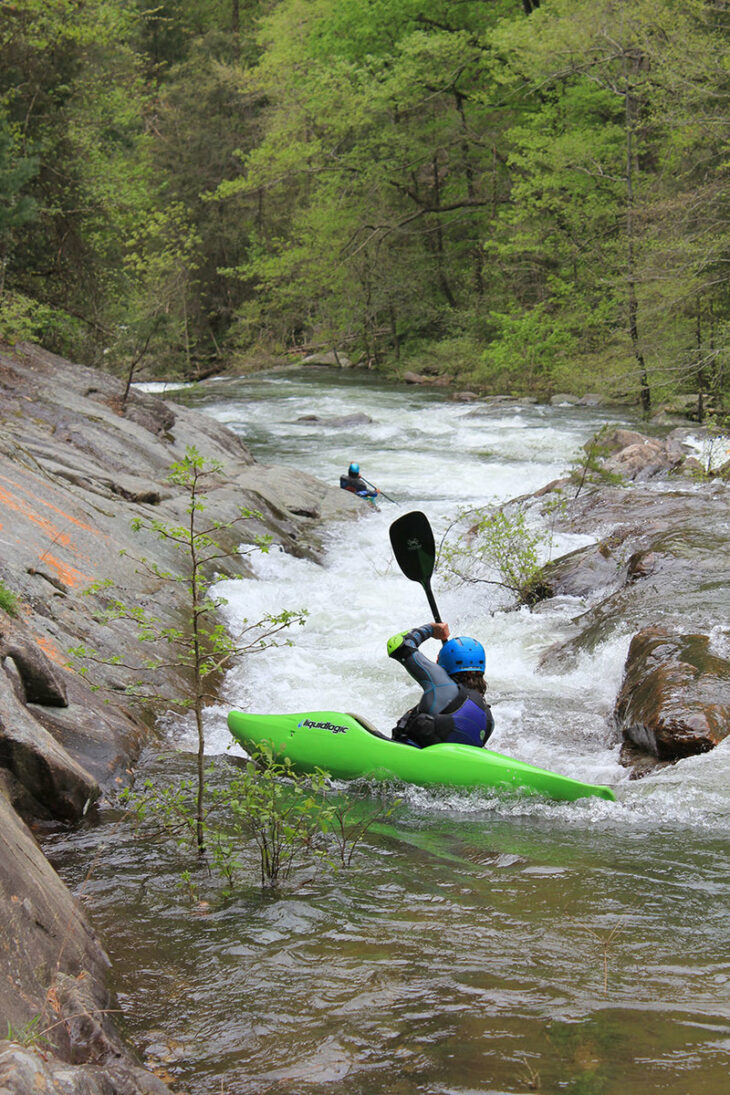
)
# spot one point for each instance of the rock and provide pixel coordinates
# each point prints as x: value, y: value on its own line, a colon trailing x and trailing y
x: 27, y: 1071
x: 612, y: 441
x: 416, y: 378
x: 39, y: 763
x: 670, y: 550
x: 45, y: 939
x: 636, y: 457
x: 331, y: 357
x: 292, y: 492
x: 343, y: 420
x: 584, y: 571
x: 675, y: 697
x: 41, y: 682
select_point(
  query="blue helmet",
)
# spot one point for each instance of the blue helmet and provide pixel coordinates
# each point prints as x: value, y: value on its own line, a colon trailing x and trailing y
x: 354, y: 469
x: 460, y: 655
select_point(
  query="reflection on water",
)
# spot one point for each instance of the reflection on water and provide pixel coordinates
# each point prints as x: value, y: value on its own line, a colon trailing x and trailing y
x: 478, y: 944
x: 471, y: 947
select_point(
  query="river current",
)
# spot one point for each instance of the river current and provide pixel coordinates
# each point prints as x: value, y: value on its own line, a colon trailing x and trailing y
x: 478, y: 943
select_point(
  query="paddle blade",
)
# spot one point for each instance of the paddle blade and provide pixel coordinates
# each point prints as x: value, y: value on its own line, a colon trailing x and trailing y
x: 413, y: 546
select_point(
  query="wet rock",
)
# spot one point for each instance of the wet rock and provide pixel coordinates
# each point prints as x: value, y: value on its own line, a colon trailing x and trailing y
x: 27, y: 1071
x: 343, y: 420
x: 45, y: 937
x: 582, y: 572
x: 675, y: 697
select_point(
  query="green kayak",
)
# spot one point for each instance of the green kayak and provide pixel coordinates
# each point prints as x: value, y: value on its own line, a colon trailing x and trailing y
x: 346, y: 747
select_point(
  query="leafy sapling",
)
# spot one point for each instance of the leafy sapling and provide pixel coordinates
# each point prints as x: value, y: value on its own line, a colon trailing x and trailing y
x: 202, y: 646
x: 499, y: 548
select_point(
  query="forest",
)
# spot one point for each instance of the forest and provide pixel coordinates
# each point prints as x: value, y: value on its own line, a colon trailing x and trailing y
x: 526, y: 195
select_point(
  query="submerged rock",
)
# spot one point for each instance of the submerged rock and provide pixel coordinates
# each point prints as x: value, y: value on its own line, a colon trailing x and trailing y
x: 357, y: 419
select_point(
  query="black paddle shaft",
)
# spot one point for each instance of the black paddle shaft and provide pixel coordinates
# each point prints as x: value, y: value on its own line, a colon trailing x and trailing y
x: 413, y: 545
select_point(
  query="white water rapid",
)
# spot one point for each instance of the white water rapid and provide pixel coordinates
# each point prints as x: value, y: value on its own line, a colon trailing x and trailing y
x: 437, y: 455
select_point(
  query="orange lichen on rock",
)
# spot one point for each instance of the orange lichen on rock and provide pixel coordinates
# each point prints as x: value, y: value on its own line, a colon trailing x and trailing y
x: 69, y: 575
x: 51, y: 651
x: 24, y: 507
x: 23, y: 501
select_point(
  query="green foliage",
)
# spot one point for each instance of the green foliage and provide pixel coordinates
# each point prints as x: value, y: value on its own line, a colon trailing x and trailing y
x: 496, y: 548
x: 203, y: 645
x: 528, y: 347
x: 205, y: 181
x: 8, y: 601
x: 293, y: 820
x: 589, y: 469
x: 31, y: 1035
x: 22, y: 318
x: 17, y: 207
x: 285, y: 817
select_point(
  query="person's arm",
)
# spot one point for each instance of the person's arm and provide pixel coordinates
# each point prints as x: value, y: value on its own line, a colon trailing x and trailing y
x: 439, y: 690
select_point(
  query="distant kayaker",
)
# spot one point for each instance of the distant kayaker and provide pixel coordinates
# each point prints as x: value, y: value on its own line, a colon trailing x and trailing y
x: 355, y: 483
x: 452, y: 707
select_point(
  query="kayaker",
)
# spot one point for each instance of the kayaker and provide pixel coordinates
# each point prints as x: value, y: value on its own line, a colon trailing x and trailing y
x: 355, y: 483
x: 452, y: 707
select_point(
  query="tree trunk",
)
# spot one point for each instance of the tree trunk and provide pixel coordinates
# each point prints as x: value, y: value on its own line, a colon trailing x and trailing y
x: 700, y: 369
x: 440, y: 266
x: 633, y: 304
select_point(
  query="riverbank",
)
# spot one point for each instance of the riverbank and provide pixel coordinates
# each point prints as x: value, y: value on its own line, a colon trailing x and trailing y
x: 78, y: 467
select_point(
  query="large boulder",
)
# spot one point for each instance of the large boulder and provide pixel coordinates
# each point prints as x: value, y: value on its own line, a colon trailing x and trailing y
x: 634, y: 456
x: 674, y: 700
x: 583, y: 572
x: 327, y: 358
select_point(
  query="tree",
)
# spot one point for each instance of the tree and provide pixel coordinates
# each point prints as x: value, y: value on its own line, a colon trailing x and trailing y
x: 202, y: 645
x: 374, y: 180
x: 591, y: 190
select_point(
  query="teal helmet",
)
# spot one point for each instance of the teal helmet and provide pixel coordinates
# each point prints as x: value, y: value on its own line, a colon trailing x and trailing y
x: 354, y: 469
x: 461, y: 655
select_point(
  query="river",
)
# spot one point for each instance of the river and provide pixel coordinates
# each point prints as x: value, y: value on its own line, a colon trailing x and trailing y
x: 478, y: 943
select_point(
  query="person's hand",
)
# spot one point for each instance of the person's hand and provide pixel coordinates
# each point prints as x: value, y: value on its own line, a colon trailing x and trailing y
x: 440, y: 631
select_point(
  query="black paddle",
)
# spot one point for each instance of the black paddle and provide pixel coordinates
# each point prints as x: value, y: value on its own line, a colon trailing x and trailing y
x: 386, y: 496
x: 415, y: 552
